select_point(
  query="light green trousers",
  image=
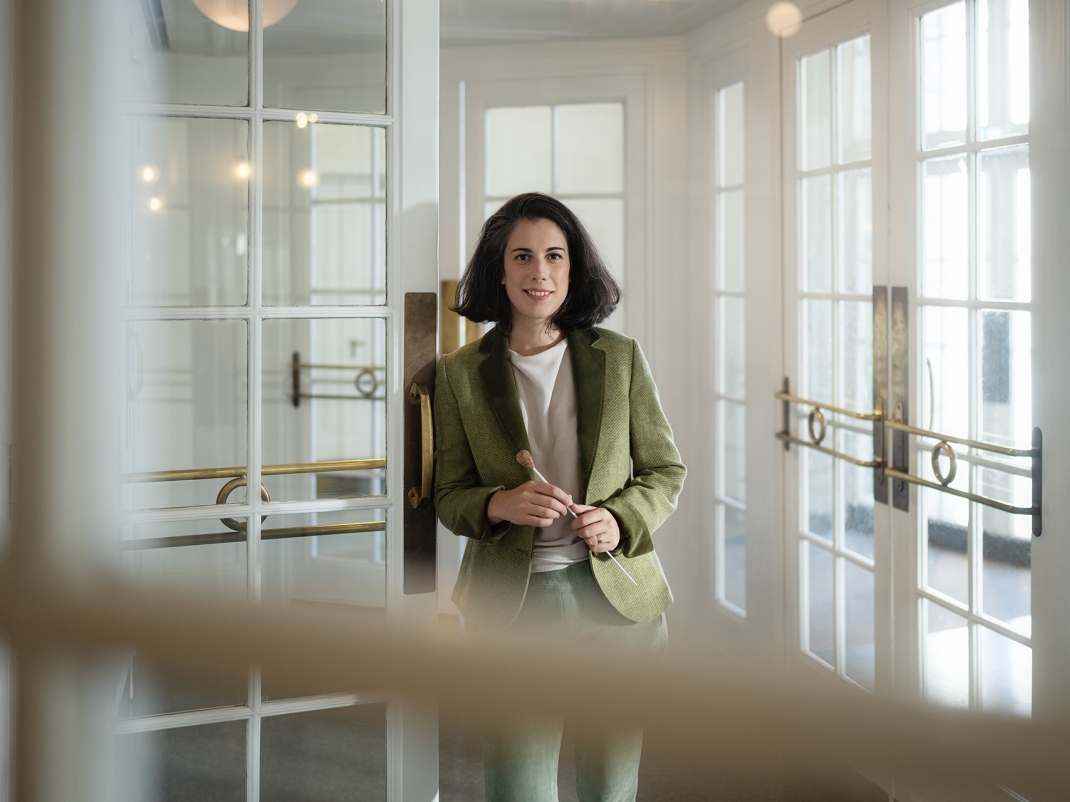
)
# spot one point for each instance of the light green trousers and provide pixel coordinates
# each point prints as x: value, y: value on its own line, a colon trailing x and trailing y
x: 520, y: 760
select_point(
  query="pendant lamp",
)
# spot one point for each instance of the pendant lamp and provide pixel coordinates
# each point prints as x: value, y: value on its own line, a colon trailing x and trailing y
x: 234, y: 14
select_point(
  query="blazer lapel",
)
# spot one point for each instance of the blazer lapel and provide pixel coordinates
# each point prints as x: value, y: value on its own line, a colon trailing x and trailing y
x: 589, y: 377
x: 497, y: 375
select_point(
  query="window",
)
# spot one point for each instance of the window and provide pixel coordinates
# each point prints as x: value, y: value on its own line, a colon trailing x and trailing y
x: 975, y: 356
x: 574, y: 152
x: 730, y: 509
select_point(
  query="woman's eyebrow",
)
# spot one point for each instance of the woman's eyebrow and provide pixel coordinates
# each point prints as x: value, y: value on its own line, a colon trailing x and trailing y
x: 521, y: 248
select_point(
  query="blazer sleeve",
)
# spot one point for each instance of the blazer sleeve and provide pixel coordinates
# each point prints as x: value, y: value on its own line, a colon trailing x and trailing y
x: 657, y: 472
x: 460, y: 497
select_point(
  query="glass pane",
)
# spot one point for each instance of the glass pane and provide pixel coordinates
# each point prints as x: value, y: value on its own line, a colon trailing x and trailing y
x: 819, y: 478
x: 945, y: 532
x: 151, y: 689
x: 946, y: 656
x: 731, y: 237
x: 945, y: 392
x: 327, y: 55
x: 186, y: 397
x: 819, y: 602
x: 519, y: 150
x: 815, y: 225
x: 204, y: 762
x: 324, y: 399
x: 590, y: 148
x: 184, y: 51
x: 945, y: 228
x: 817, y: 350
x: 815, y: 110
x: 730, y: 136
x: 856, y: 371
x: 733, y: 453
x: 853, y: 85
x: 858, y: 601
x: 1006, y: 379
x: 943, y: 77
x: 855, y: 236
x: 1006, y: 674
x: 858, y: 494
x: 735, y: 556
x: 324, y: 755
x: 732, y: 340
x: 1002, y: 68
x: 604, y: 220
x: 324, y: 214
x: 1005, y: 227
x: 1008, y: 539
x: 190, y: 222
x: 167, y: 555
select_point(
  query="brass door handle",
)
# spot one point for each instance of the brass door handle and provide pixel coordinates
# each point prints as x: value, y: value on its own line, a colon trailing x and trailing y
x: 418, y: 394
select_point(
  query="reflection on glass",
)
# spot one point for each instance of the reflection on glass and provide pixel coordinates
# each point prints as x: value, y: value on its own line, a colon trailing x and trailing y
x: 946, y: 372
x: 856, y: 371
x: 590, y: 148
x: 1004, y: 227
x: 327, y: 55
x: 946, y: 656
x: 1002, y: 68
x: 201, y: 762
x: 817, y: 349
x: 858, y: 601
x: 733, y: 456
x: 185, y: 406
x: 190, y: 216
x: 945, y: 228
x: 733, y: 364
x: 338, y: 368
x: 206, y: 569
x: 151, y: 689
x: 819, y: 601
x: 854, y: 249
x: 734, y: 527
x: 945, y: 525
x: 1007, y: 545
x: 853, y: 90
x: 324, y: 214
x: 815, y: 78
x: 180, y: 55
x: 857, y: 494
x: 324, y: 755
x: 816, y: 228
x: 512, y: 131
x: 819, y: 479
x: 1006, y: 674
x: 730, y: 247
x: 943, y: 76
x: 1006, y: 378
x: 730, y: 136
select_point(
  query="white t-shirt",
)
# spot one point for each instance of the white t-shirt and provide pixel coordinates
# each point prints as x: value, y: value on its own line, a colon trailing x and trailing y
x: 548, y: 402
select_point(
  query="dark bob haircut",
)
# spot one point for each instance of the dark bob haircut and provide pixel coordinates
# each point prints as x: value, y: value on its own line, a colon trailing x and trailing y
x: 593, y: 293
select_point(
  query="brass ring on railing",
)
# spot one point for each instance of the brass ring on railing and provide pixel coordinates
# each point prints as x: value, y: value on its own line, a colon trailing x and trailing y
x: 816, y: 414
x: 953, y: 465
x: 368, y: 378
x: 224, y: 494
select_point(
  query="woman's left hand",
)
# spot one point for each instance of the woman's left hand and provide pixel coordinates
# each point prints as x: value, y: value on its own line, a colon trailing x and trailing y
x: 597, y: 526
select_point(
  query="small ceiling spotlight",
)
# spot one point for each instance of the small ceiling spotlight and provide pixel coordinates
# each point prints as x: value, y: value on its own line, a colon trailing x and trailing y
x: 301, y: 119
x: 308, y: 178
x: 242, y: 171
x: 155, y: 204
x: 783, y: 19
x: 149, y: 174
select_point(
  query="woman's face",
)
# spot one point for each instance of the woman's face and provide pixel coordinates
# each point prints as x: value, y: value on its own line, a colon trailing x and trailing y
x: 536, y: 271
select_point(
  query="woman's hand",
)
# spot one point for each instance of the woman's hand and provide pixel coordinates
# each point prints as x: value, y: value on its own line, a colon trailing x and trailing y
x: 531, y: 504
x: 597, y: 526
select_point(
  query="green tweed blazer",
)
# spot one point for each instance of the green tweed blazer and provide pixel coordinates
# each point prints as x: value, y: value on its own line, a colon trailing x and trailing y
x: 628, y: 464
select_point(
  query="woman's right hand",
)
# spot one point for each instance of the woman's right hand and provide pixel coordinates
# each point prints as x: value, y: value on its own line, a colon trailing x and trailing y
x: 531, y: 504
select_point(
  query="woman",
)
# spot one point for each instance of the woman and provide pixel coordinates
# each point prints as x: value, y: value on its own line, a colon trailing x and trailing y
x: 581, y: 401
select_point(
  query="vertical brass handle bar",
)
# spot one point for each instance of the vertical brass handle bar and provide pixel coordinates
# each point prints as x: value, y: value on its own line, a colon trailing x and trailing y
x: 418, y: 394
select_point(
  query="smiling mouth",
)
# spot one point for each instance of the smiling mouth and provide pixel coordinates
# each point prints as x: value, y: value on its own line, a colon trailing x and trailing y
x: 538, y: 295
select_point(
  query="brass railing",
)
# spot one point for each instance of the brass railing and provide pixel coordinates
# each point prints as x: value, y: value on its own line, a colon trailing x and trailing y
x: 238, y: 477
x: 817, y: 426
x: 368, y: 382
